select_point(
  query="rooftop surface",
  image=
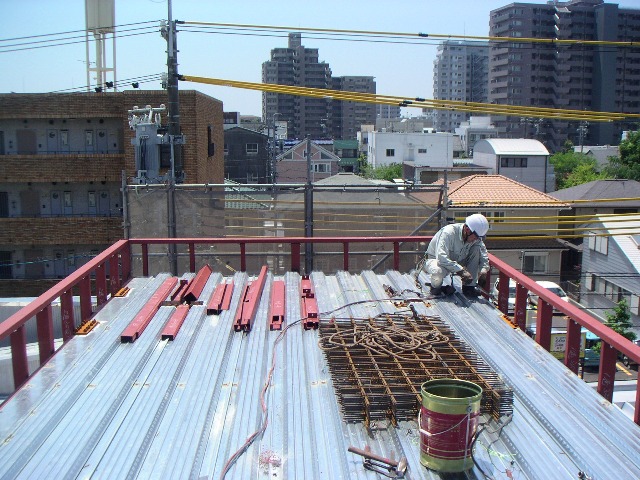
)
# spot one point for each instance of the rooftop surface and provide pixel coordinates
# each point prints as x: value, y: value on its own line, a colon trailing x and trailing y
x: 182, y: 408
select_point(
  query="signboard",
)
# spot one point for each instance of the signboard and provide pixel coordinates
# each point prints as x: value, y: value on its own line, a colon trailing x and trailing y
x: 559, y: 341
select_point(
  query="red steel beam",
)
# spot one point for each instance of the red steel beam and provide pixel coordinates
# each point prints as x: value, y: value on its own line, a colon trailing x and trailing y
x: 572, y: 349
x: 19, y: 356
x: 309, y: 305
x: 249, y: 303
x: 543, y: 324
x: 101, y: 284
x: 520, y: 307
x: 46, y: 346
x: 86, y: 309
x: 277, y: 309
x: 144, y: 316
x: 66, y: 313
x: 217, y: 301
x: 193, y: 291
x: 178, y: 293
x: 170, y: 330
x: 226, y: 299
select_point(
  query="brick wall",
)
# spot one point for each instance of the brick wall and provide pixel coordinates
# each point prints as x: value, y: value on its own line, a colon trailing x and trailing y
x: 62, y: 168
x: 60, y: 231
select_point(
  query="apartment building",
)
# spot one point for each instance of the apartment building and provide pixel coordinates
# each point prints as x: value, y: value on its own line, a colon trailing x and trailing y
x: 64, y: 157
x: 299, y: 66
x: 459, y: 73
x: 565, y: 76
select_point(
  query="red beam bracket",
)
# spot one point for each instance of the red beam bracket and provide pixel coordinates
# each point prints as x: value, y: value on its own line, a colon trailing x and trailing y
x: 309, y: 304
x: 249, y: 303
x: 277, y: 309
x: 176, y: 320
x: 144, y: 316
x: 197, y: 284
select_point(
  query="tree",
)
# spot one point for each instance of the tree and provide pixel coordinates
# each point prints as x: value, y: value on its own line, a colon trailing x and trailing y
x: 619, y: 320
x: 627, y: 165
x: 383, y: 172
x: 566, y: 162
x: 583, y: 173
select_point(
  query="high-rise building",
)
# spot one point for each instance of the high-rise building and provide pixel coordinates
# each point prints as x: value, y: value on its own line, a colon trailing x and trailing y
x: 299, y: 66
x: 347, y: 116
x: 565, y: 76
x: 459, y: 73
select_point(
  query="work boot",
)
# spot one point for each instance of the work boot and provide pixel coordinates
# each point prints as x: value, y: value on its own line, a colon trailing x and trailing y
x: 448, y: 290
x: 436, y: 291
x: 471, y: 291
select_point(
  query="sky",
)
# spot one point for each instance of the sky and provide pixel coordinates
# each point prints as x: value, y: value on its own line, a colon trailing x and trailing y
x: 399, y: 68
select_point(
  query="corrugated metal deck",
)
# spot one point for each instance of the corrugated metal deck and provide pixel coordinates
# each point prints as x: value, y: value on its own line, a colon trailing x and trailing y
x: 180, y: 409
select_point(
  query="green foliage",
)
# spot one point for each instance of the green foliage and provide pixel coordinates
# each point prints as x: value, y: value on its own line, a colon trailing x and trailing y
x: 583, y: 173
x: 626, y: 166
x: 619, y: 320
x: 565, y: 163
x: 384, y: 172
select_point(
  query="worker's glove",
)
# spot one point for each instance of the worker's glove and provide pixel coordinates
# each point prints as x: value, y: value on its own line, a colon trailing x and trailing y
x: 482, y: 278
x: 465, y: 276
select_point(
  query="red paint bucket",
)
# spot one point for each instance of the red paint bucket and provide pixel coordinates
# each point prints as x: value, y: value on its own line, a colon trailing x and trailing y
x: 448, y: 420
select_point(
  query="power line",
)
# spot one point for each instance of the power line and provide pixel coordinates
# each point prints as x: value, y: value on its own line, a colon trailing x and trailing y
x: 422, y: 35
x: 74, y: 31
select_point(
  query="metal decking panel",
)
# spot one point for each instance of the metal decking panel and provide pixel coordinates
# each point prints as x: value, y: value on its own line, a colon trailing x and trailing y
x: 158, y: 409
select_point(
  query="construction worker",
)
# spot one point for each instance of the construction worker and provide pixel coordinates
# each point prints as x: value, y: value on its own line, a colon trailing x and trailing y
x: 458, y: 249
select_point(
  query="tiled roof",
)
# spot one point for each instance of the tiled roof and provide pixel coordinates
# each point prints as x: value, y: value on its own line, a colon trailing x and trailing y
x: 498, y: 190
x: 602, y: 189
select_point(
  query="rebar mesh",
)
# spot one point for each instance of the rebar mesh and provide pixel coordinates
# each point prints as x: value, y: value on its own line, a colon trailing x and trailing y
x: 379, y: 365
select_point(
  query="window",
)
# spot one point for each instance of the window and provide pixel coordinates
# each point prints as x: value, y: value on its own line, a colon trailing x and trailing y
x: 321, y: 167
x: 5, y: 264
x: 534, y: 263
x: 599, y: 244
x: 252, y: 148
x: 391, y: 152
x: 226, y: 149
x: 68, y: 200
x: 422, y: 150
x: 513, y: 162
x: 88, y: 138
x: 92, y: 199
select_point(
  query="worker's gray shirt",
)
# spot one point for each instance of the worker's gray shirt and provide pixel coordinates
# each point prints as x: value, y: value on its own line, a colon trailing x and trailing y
x: 451, y: 251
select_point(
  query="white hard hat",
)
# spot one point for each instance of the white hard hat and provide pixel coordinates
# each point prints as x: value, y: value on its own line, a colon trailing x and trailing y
x: 478, y: 224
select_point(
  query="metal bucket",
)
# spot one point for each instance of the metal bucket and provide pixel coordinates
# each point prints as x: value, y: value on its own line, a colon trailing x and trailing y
x: 448, y: 420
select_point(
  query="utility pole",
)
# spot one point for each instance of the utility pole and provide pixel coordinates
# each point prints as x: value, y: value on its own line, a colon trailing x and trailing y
x: 174, y: 136
x: 308, y: 214
x: 582, y: 132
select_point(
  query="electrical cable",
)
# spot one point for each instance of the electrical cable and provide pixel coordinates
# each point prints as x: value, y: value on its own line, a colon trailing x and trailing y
x: 551, y: 41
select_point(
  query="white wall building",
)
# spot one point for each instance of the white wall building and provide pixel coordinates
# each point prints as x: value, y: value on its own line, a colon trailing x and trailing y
x: 523, y: 160
x: 420, y: 149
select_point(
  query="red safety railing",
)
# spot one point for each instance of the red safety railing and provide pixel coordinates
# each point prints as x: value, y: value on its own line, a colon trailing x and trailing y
x: 117, y: 261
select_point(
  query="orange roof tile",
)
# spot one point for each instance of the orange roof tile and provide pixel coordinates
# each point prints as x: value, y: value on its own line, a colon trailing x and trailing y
x: 497, y: 190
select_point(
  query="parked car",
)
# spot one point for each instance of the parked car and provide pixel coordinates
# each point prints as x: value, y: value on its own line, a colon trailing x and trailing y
x: 512, y: 294
x: 591, y: 358
x: 626, y: 361
x: 551, y: 286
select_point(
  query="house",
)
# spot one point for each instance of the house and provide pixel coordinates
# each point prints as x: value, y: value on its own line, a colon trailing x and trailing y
x: 601, y: 197
x: 347, y: 150
x: 247, y: 156
x: 600, y: 153
x: 473, y: 130
x: 611, y: 266
x: 523, y: 160
x: 63, y: 158
x: 420, y: 149
x: 291, y: 165
x: 588, y: 200
x: 523, y: 221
